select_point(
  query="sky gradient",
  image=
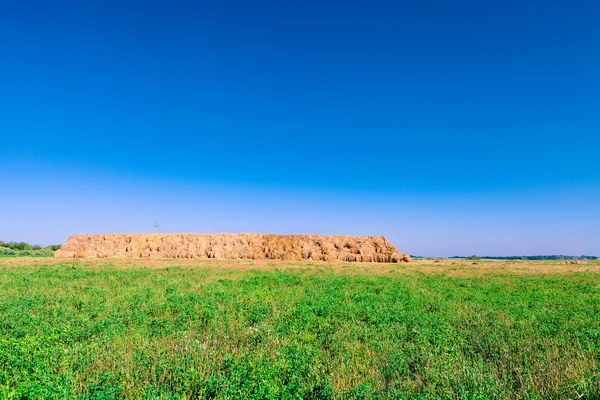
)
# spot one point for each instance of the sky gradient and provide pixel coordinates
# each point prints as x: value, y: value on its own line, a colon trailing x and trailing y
x: 451, y: 128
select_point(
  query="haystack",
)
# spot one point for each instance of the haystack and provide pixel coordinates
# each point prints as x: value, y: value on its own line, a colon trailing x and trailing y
x: 252, y: 246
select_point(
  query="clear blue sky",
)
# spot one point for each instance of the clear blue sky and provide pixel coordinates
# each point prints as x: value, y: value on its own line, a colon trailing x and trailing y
x: 466, y: 127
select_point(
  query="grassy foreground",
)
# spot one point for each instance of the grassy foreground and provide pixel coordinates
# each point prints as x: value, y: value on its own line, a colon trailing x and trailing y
x: 209, y: 329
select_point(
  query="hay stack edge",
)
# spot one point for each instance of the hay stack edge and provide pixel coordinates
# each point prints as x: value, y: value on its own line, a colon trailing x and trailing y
x: 251, y: 246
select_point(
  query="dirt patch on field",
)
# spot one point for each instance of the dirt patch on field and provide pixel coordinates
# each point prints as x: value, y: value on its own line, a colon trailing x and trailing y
x: 251, y: 246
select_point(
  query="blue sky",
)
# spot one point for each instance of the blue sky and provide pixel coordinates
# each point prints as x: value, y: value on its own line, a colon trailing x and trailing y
x: 461, y: 127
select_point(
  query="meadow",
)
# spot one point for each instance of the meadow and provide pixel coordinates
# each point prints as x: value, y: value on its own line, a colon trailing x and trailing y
x: 172, y: 329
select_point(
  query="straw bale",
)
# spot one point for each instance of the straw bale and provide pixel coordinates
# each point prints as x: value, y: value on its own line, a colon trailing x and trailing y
x: 233, y: 246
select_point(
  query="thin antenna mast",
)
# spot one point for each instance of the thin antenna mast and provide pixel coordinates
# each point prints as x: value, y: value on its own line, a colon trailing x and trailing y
x: 156, y: 227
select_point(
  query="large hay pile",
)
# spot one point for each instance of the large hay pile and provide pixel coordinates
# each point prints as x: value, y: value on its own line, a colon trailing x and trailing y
x: 233, y: 246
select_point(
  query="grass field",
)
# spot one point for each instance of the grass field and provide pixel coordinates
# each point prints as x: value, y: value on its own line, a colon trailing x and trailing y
x: 240, y: 329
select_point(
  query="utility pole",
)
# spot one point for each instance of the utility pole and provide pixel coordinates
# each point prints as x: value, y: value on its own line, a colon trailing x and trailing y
x: 156, y: 227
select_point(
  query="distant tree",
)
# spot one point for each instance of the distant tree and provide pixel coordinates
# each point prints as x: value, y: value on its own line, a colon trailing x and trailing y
x: 17, y: 245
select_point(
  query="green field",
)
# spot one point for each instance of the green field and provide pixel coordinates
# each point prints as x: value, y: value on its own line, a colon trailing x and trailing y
x: 214, y: 329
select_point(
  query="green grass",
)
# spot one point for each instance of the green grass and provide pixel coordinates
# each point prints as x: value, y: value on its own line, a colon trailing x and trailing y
x: 79, y: 330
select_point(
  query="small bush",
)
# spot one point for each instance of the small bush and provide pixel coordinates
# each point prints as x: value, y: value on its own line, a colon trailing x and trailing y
x: 22, y: 249
x: 5, y: 251
x: 32, y: 251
